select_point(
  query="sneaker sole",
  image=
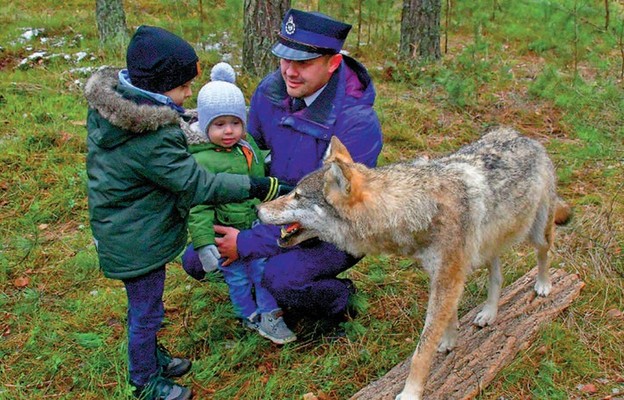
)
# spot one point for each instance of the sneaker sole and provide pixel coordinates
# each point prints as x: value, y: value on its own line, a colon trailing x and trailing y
x: 252, y: 328
x: 276, y: 340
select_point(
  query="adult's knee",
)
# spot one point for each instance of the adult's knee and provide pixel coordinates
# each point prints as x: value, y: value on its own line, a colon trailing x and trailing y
x: 275, y: 280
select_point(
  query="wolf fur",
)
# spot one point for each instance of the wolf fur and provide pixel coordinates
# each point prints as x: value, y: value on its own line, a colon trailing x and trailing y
x: 453, y: 214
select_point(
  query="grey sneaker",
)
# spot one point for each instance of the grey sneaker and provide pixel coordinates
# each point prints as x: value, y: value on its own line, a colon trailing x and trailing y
x: 172, y: 367
x: 252, y: 322
x: 273, y: 327
x: 159, y: 388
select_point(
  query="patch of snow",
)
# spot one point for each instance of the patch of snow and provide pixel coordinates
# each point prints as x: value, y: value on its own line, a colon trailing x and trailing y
x: 35, y: 56
x: 80, y: 55
x: 30, y: 33
x: 83, y: 70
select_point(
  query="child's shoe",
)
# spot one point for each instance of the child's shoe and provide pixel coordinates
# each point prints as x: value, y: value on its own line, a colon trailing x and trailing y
x: 273, y: 327
x: 159, y: 388
x: 172, y: 367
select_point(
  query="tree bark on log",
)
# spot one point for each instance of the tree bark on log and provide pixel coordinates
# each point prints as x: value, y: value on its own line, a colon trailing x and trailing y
x: 482, y: 352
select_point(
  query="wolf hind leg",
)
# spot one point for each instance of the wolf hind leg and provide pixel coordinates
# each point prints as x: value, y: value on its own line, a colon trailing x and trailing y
x: 488, y: 314
x: 543, y: 286
x: 542, y: 236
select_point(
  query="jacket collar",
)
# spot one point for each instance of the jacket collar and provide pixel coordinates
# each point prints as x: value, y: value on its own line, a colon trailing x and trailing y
x: 126, y: 108
x: 319, y: 112
x: 125, y: 83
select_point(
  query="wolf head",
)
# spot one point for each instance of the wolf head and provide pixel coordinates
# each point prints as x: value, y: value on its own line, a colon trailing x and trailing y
x: 320, y: 204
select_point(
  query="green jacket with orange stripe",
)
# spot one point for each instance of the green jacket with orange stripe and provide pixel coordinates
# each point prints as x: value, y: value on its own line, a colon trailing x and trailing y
x: 243, y: 158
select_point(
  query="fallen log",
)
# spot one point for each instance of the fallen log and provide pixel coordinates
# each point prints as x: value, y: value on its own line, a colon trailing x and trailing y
x: 482, y: 352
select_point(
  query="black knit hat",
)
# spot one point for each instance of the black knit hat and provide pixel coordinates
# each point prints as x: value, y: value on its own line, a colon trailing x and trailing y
x: 159, y: 61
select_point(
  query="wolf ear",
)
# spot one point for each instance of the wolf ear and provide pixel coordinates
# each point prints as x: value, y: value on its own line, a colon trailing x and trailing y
x: 336, y: 151
x: 343, y: 185
x: 337, y: 183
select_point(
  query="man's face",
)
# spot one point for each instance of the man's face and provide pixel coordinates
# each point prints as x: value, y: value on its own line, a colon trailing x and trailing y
x: 306, y: 77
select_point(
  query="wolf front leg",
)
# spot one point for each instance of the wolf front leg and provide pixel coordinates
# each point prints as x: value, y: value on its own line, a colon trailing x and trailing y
x: 449, y: 339
x: 488, y: 314
x: 447, y: 285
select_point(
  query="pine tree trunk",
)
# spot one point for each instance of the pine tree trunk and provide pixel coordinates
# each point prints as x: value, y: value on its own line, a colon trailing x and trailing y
x: 483, y: 352
x: 420, y: 29
x: 262, y: 20
x: 111, y: 21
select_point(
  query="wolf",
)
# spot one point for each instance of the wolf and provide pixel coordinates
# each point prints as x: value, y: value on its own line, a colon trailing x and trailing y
x: 453, y: 214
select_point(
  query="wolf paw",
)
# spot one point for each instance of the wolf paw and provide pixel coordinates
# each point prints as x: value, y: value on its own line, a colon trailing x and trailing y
x: 487, y: 316
x: 448, y: 342
x: 446, y: 346
x: 543, y: 288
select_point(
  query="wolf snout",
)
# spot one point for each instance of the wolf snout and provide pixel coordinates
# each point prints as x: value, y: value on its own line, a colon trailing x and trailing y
x: 261, y: 213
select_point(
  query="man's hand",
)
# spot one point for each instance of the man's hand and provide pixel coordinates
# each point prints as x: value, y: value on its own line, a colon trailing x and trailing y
x: 227, y: 243
x: 209, y: 257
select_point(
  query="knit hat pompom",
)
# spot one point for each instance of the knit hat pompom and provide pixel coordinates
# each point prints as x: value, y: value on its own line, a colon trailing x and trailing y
x: 223, y: 72
x: 220, y: 97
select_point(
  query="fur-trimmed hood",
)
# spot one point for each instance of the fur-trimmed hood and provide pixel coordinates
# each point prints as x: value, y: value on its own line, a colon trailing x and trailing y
x: 130, y: 117
x: 191, y: 130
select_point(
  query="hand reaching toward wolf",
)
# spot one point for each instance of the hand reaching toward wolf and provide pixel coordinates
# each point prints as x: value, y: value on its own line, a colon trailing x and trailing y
x: 265, y: 189
x: 268, y: 188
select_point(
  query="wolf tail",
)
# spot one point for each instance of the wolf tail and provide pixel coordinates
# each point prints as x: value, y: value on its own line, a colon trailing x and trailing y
x: 563, y: 212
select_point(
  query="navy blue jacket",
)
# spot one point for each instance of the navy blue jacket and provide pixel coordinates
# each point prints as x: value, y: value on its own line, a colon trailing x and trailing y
x: 298, y: 140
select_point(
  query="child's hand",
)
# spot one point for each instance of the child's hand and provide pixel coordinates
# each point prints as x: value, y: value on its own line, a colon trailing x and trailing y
x: 284, y: 188
x: 209, y: 257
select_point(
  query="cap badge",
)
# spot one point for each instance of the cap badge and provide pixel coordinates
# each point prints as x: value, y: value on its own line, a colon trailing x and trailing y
x: 290, y: 26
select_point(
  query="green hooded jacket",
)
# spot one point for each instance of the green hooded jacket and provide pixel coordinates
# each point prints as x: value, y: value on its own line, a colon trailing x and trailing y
x: 142, y: 181
x: 243, y: 158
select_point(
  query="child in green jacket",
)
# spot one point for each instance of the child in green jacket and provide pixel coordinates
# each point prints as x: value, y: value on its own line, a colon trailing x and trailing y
x: 219, y: 143
x: 142, y: 183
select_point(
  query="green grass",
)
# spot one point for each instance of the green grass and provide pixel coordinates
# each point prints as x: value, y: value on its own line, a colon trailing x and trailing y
x: 549, y: 68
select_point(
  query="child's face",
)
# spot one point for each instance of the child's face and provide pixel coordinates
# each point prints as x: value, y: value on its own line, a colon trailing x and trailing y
x: 181, y: 93
x: 225, y: 131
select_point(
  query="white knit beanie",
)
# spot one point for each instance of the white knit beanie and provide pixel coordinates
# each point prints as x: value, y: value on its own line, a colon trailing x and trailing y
x: 220, y: 97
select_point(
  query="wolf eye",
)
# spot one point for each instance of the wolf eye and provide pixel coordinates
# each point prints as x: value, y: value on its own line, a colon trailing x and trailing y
x: 296, y: 195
